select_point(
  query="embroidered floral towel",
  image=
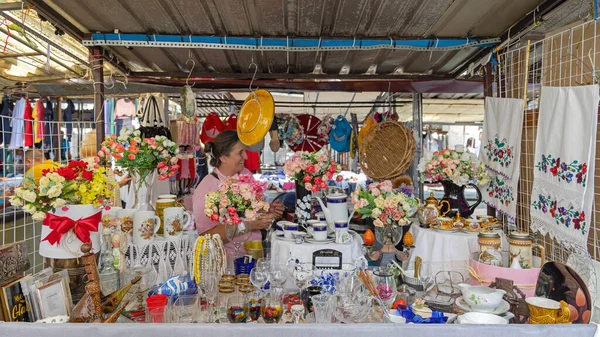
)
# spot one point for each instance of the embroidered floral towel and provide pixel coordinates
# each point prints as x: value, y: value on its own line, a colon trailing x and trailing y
x: 500, y: 151
x: 563, y: 190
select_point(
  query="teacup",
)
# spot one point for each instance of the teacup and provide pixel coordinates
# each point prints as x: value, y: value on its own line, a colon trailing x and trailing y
x: 126, y: 216
x: 297, y: 311
x: 444, y: 223
x: 145, y: 225
x: 318, y: 231
x: 176, y: 219
x: 320, y: 216
x: 289, y: 228
x: 546, y: 311
x: 279, y: 227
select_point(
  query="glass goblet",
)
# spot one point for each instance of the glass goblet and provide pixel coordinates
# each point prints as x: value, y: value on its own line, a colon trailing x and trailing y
x: 277, y: 276
x: 258, y: 278
x: 237, y: 236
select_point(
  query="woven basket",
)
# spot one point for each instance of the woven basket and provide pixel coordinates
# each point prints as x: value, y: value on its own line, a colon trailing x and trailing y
x: 387, y: 151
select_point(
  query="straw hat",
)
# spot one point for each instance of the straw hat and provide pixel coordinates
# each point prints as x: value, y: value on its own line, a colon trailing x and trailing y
x: 255, y: 117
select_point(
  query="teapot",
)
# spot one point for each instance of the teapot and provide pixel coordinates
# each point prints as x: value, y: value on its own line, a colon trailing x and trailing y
x: 336, y: 209
x: 480, y: 298
x: 431, y: 210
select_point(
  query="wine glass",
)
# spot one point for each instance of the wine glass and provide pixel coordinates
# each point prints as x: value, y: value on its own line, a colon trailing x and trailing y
x: 277, y: 276
x: 258, y: 278
x: 209, y: 286
x: 302, y: 273
x: 237, y: 236
x: 262, y: 264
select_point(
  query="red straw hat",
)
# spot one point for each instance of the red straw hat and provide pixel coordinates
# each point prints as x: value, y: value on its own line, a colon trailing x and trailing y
x: 211, y: 128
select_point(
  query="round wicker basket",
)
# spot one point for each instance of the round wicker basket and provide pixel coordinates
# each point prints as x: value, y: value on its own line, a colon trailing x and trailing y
x: 387, y: 151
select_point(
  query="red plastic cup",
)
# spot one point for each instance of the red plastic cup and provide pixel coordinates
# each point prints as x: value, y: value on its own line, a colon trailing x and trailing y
x: 156, y: 305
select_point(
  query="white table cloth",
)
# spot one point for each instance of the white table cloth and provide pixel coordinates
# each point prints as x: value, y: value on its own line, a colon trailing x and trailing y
x: 444, y: 250
x: 282, y: 250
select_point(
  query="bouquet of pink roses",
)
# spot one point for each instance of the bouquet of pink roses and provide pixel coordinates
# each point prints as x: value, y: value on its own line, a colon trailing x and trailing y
x: 386, y: 206
x: 311, y: 169
x: 239, y: 198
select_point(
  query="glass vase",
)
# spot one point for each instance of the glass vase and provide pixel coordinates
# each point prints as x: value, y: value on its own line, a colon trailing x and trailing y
x: 142, y: 189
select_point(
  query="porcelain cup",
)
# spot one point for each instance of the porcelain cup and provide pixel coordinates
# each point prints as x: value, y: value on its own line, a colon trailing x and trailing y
x: 289, y: 228
x: 319, y: 231
x: 126, y: 216
x: 176, y: 219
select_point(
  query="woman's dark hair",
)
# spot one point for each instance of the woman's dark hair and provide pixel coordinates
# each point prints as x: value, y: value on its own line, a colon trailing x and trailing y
x: 221, y: 146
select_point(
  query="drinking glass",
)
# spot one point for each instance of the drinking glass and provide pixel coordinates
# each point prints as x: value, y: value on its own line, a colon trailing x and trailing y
x: 271, y: 307
x: 262, y: 264
x: 258, y: 278
x: 237, y: 236
x: 209, y: 282
x: 321, y: 308
x: 302, y: 273
x: 237, y: 309
x: 386, y: 286
x: 186, y: 309
x: 277, y: 276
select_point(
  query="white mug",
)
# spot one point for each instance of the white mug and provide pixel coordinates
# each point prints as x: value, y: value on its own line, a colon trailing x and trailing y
x: 318, y: 231
x: 145, y: 225
x: 126, y: 216
x: 176, y: 219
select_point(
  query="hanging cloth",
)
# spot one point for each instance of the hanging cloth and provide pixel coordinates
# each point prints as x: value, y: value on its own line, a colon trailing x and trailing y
x: 339, y: 137
x: 253, y: 161
x: 50, y: 128
x: 18, y: 125
x: 39, y: 126
x: 68, y: 117
x: 501, y: 153
x: 564, y: 164
x: 231, y: 122
x: 28, y: 124
x: 7, y: 108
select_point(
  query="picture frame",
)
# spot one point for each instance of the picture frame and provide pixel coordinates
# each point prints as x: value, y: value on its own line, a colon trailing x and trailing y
x: 13, y: 303
x: 53, y: 298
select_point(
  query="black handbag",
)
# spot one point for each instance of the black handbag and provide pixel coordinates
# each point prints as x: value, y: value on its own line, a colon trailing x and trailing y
x: 151, y: 123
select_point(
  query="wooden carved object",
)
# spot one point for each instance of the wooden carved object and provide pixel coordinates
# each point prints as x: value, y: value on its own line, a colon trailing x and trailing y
x: 515, y: 298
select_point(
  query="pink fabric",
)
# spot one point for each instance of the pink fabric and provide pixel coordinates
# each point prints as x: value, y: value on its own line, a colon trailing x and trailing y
x: 203, y: 223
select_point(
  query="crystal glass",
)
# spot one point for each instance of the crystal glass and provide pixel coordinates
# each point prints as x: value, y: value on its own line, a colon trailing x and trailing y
x: 209, y: 282
x: 262, y: 264
x: 302, y: 273
x: 258, y: 278
x: 237, y: 236
x: 254, y: 308
x: 237, y: 309
x: 386, y: 286
x: 271, y: 307
x: 186, y: 309
x: 350, y: 309
x: 277, y: 276
x: 321, y: 308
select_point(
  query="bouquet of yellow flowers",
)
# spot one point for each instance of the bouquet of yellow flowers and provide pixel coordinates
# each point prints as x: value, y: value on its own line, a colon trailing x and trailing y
x: 78, y: 183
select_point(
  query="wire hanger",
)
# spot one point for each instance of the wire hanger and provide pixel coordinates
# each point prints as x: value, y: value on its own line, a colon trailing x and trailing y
x: 187, y: 80
x: 253, y: 76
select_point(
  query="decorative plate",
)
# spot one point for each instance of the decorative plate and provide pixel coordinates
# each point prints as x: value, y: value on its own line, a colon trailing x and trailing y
x: 560, y: 282
x: 503, y: 308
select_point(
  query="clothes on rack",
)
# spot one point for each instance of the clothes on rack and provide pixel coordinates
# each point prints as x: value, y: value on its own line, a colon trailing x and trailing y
x: 124, y: 108
x: 253, y: 161
x: 108, y: 115
x: 201, y: 166
x: 7, y: 108
x: 38, y: 123
x: 18, y: 125
x: 187, y: 132
x: 28, y: 123
x: 68, y: 117
x: 50, y: 128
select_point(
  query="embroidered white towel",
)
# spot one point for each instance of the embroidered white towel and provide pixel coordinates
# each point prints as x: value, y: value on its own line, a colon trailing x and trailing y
x: 500, y: 148
x: 563, y: 190
x: 500, y: 151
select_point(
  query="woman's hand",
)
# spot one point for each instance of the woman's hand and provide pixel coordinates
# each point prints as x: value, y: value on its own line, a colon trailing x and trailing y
x: 261, y: 223
x: 124, y: 181
x: 277, y: 209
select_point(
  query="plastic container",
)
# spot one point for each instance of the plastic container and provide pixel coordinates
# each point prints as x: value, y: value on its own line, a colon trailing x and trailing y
x: 244, y: 268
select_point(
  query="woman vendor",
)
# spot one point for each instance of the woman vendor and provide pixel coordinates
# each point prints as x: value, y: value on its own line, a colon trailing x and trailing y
x: 227, y: 155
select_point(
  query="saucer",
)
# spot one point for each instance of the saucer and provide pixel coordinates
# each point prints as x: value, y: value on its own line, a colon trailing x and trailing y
x: 500, y: 310
x: 283, y: 238
x: 311, y: 240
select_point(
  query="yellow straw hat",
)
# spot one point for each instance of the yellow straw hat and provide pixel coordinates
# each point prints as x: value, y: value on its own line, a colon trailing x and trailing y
x: 255, y: 117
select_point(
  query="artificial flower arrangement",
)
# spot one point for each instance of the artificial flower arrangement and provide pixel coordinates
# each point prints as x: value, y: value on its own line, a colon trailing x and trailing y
x: 461, y: 168
x: 79, y: 183
x: 140, y: 156
x: 385, y: 205
x: 239, y: 198
x: 311, y: 169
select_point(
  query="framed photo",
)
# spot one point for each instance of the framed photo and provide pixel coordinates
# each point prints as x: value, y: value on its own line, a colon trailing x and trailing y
x: 53, y: 298
x: 13, y: 303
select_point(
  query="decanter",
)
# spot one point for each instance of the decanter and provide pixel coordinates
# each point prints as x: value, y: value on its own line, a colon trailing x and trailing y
x: 109, y: 275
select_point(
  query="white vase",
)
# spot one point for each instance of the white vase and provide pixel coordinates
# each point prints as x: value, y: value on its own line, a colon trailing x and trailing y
x: 70, y: 246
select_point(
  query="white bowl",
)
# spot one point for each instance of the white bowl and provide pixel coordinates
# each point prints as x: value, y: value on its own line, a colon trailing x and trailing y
x: 480, y: 318
x: 396, y: 318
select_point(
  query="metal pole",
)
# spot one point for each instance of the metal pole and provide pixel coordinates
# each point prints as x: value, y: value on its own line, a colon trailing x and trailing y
x: 418, y: 134
x: 97, y: 64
